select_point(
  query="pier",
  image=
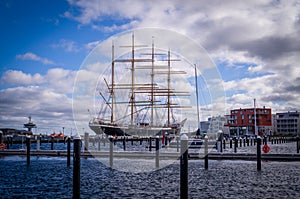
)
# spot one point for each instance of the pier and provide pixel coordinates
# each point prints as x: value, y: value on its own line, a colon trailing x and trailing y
x: 147, y: 155
x: 167, y: 148
x: 154, y: 153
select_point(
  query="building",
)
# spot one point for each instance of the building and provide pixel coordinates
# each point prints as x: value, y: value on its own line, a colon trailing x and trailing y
x: 213, y: 125
x: 241, y: 121
x: 287, y: 123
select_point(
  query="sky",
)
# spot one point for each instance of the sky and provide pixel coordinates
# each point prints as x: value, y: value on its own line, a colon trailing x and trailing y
x: 255, y: 46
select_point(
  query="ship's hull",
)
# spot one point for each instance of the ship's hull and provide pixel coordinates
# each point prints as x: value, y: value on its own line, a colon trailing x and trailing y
x: 133, y: 131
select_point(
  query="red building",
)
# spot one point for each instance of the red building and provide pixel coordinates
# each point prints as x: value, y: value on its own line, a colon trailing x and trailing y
x: 241, y: 121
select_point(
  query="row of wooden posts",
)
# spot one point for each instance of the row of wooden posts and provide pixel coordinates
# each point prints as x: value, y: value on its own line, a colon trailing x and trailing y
x: 240, y: 142
x: 183, y: 158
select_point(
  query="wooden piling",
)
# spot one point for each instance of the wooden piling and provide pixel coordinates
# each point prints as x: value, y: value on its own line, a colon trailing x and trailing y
x: 184, y: 167
x: 206, y: 152
x: 86, y: 141
x: 235, y: 144
x: 298, y: 144
x: 28, y: 150
x: 240, y: 142
x: 157, y: 152
x: 111, y: 152
x: 68, y: 151
x: 99, y: 143
x: 76, y: 168
x: 258, y: 154
x: 150, y: 144
x: 177, y: 142
x: 124, y: 143
x: 52, y: 143
x: 38, y: 144
x: 265, y: 140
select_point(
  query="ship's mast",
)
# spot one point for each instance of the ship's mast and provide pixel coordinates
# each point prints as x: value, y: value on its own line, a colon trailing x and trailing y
x: 152, y: 85
x: 141, y: 88
x: 132, y: 83
x: 169, y: 81
x: 197, y: 97
x: 112, y: 84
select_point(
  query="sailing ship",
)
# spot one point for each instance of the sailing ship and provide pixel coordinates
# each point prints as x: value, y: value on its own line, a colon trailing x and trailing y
x: 144, y: 98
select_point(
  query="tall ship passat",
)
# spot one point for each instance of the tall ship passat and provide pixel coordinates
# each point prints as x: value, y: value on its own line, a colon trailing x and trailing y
x: 135, y: 104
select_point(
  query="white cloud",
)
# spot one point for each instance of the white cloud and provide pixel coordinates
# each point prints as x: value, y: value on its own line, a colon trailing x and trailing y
x: 14, y: 77
x: 43, y: 104
x: 47, y: 98
x: 34, y: 57
x: 67, y: 45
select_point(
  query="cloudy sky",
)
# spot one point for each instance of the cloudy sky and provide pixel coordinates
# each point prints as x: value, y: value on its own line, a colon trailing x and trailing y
x: 255, y: 45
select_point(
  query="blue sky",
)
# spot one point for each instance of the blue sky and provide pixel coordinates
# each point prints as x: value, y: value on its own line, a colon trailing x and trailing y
x: 43, y: 43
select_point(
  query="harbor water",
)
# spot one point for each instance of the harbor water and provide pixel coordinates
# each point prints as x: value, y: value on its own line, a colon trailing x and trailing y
x: 49, y: 177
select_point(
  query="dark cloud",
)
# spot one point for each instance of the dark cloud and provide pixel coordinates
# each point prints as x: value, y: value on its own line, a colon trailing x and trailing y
x: 270, y: 47
x: 279, y: 98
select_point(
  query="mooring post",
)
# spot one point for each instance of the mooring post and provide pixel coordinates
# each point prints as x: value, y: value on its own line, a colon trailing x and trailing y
x: 68, y: 151
x: 244, y: 140
x: 235, y: 144
x: 206, y: 152
x: 150, y: 144
x: 166, y: 140
x: 240, y: 141
x: 124, y: 143
x: 38, y: 143
x: 86, y: 141
x: 220, y: 140
x: 177, y: 142
x: 28, y: 150
x: 266, y: 140
x: 99, y: 143
x: 230, y: 143
x: 76, y: 168
x: 184, y: 167
x: 157, y: 152
x: 298, y: 144
x: 224, y: 144
x: 258, y: 155
x: 111, y: 152
x: 52, y: 143
x: 40, y: 138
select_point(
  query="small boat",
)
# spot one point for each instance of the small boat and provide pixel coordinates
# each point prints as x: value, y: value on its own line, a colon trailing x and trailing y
x: 54, y: 135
